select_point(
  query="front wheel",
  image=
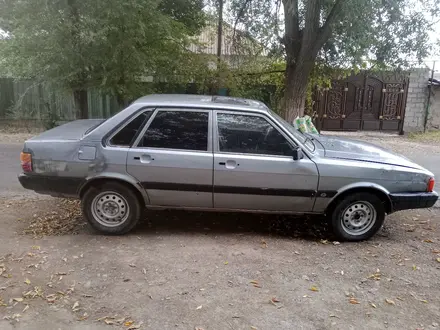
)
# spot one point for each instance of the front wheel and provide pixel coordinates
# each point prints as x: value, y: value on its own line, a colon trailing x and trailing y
x: 111, y: 208
x: 357, y: 217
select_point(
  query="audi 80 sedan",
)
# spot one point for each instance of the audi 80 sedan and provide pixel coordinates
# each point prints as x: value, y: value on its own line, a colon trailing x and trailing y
x: 223, y: 154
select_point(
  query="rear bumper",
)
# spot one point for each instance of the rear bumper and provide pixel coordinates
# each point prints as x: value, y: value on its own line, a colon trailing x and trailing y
x: 51, y: 185
x: 406, y: 201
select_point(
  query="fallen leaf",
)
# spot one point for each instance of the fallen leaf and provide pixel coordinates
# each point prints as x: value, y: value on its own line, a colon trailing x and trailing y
x: 144, y: 271
x: 199, y: 307
x: 253, y: 282
x: 314, y: 288
x: 263, y: 243
x: 64, y: 259
x: 120, y: 320
x: 85, y: 316
x: 390, y: 302
x: 324, y: 241
x: 75, y: 305
x: 25, y: 308
x: 226, y: 262
x: 414, y: 267
x: 17, y: 299
x: 198, y: 328
x: 428, y: 240
x: 438, y: 259
x: 35, y: 247
x: 128, y: 323
x: 27, y: 281
x: 275, y: 300
x: 109, y: 322
x: 254, y: 328
x: 373, y: 305
x: 424, y: 301
x: 354, y: 301
x: 135, y: 326
x: 336, y: 243
x: 436, y: 251
x: 132, y: 265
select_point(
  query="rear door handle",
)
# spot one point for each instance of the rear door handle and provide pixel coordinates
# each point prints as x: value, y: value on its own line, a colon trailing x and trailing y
x: 229, y: 164
x: 144, y: 158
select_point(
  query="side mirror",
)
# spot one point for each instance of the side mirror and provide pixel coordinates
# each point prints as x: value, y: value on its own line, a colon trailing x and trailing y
x: 297, y: 153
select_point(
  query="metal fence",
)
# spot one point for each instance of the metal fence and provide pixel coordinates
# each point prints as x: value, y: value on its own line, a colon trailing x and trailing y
x: 25, y: 100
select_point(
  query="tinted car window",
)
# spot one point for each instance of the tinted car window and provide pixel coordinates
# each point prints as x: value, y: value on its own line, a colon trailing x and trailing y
x: 177, y: 130
x: 250, y: 135
x: 126, y: 135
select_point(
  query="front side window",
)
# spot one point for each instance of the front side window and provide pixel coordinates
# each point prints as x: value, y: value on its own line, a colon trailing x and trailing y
x: 184, y: 130
x: 126, y: 135
x: 250, y: 135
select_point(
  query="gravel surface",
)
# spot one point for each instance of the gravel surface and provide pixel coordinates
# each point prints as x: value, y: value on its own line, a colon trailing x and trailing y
x: 190, y: 270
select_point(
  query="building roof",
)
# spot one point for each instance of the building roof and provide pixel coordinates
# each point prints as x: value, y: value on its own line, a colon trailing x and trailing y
x: 202, y: 101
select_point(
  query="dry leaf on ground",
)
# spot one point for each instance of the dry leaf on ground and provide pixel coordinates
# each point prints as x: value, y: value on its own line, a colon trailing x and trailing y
x: 75, y: 305
x: 353, y: 301
x: 314, y: 289
x: 390, y: 302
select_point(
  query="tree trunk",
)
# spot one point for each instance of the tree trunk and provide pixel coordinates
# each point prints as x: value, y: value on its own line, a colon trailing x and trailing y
x: 297, y: 78
x: 81, y: 104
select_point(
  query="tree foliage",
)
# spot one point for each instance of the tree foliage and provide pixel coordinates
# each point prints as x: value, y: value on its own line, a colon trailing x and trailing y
x: 111, y: 44
x: 339, y: 33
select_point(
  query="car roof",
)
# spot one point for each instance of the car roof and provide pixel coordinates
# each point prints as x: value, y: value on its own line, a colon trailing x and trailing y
x: 202, y: 101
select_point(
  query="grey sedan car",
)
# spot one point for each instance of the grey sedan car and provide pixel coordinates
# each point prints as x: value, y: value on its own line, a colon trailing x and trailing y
x: 219, y: 153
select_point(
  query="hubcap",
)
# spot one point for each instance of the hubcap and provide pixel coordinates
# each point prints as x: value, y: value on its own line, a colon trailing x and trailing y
x: 358, y: 218
x: 110, y: 209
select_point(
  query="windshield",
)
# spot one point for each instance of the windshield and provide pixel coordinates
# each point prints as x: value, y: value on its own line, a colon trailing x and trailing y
x: 298, y: 135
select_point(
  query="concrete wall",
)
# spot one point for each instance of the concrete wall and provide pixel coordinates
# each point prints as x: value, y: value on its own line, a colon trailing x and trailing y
x: 416, y: 101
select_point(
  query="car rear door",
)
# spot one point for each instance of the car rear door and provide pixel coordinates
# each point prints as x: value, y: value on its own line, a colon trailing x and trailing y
x: 254, y: 169
x: 173, y: 158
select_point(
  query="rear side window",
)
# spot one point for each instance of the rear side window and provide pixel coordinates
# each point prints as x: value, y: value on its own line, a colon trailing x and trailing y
x: 125, y: 136
x: 184, y: 130
x: 250, y: 135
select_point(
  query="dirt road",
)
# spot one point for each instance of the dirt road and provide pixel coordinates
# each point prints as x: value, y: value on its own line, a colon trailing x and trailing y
x: 182, y: 270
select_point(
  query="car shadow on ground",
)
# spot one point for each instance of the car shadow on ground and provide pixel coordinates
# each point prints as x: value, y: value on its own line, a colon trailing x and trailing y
x: 211, y: 223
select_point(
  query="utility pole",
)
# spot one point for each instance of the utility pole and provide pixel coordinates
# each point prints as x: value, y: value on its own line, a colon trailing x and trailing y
x: 220, y: 29
x: 429, y: 98
x: 219, y: 45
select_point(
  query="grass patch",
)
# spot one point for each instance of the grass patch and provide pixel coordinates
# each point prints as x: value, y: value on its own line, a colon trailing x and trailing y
x: 432, y: 136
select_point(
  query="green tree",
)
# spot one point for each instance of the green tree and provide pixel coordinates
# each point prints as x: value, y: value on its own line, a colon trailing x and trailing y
x: 111, y: 44
x: 340, y: 33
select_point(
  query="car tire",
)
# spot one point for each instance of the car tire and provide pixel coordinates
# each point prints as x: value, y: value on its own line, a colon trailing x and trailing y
x: 357, y: 217
x: 111, y: 208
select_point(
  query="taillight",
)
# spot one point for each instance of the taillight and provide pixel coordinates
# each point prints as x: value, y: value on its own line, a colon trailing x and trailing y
x: 26, y: 161
x: 431, y: 184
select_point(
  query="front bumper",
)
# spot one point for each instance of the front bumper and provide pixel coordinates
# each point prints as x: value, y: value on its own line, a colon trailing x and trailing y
x: 57, y: 186
x: 406, y: 201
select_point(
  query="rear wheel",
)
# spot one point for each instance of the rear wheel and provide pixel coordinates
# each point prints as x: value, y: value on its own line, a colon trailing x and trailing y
x: 357, y: 217
x: 111, y: 208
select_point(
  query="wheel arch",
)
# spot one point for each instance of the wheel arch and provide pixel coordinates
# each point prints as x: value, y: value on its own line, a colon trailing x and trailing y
x: 128, y: 181
x: 368, y: 187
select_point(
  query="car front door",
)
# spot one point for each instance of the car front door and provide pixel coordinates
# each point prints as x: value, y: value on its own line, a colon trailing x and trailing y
x: 173, y: 159
x: 254, y: 168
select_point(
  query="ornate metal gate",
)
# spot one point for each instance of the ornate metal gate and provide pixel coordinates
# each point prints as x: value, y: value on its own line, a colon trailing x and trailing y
x: 373, y: 101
